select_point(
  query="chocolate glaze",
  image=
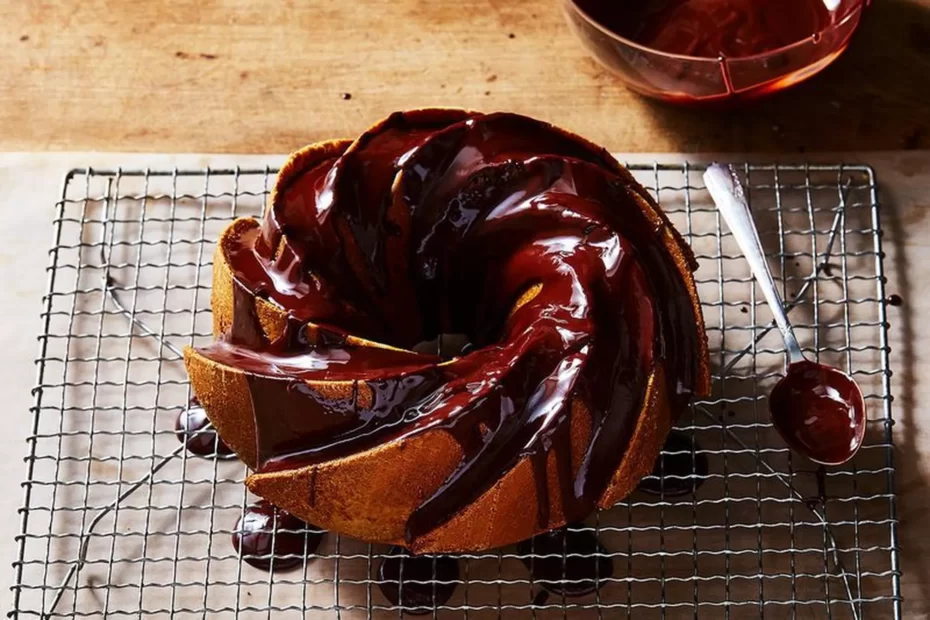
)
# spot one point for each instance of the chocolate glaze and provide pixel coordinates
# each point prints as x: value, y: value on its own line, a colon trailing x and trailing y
x: 681, y: 468
x: 191, y: 429
x: 417, y: 583
x: 567, y: 561
x: 819, y: 411
x: 711, y: 28
x: 437, y: 222
x: 813, y: 503
x: 266, y: 535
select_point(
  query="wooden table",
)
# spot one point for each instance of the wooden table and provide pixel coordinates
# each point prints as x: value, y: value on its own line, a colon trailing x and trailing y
x: 240, y: 76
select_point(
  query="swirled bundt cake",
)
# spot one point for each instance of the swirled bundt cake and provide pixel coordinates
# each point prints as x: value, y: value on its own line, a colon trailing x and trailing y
x: 573, y: 289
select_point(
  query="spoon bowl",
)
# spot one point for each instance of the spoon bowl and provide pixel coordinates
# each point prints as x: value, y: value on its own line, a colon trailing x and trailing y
x: 818, y: 410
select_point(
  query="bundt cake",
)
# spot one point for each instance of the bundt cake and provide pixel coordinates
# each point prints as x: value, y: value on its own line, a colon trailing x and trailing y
x: 574, y: 291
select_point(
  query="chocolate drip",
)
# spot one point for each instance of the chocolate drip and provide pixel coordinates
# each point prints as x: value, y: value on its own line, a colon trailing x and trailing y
x: 567, y: 562
x: 192, y: 430
x: 246, y: 331
x: 520, y: 417
x: 418, y: 584
x: 680, y: 470
x: 440, y: 222
x: 270, y: 537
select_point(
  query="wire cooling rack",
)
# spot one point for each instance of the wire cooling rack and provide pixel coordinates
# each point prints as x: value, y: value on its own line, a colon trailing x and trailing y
x: 119, y: 520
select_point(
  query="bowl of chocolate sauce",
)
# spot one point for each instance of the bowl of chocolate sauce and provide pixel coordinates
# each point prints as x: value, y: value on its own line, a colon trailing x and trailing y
x: 714, y: 51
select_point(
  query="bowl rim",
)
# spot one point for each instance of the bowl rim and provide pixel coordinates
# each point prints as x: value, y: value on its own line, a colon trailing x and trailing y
x: 855, y: 11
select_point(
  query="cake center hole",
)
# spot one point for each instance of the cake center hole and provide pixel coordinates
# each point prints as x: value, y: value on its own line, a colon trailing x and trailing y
x: 446, y: 346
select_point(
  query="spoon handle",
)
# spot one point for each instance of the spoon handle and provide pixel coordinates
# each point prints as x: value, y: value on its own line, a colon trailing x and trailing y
x: 725, y: 189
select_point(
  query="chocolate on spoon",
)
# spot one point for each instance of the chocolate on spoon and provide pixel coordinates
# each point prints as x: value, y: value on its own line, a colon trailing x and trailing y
x: 818, y: 410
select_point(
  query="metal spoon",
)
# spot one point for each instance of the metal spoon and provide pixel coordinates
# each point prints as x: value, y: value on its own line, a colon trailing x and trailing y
x: 817, y: 409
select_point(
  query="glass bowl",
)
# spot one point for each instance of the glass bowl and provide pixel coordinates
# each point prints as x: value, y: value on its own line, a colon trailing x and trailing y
x: 699, y: 80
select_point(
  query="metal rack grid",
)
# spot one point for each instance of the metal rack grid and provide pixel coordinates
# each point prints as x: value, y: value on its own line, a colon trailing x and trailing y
x: 118, y: 520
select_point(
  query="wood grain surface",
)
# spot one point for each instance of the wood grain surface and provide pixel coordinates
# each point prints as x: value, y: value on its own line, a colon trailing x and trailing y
x: 240, y: 76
